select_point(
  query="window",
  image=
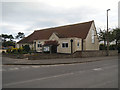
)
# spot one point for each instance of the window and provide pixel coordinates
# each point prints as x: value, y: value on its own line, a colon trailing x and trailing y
x: 78, y: 44
x: 65, y: 45
x: 93, y: 38
x: 46, y: 49
x: 39, y: 45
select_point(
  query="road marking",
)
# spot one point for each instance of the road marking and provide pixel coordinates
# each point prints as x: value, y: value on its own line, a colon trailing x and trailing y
x: 13, y: 69
x: 35, y: 66
x: 97, y: 69
x: 25, y: 67
x: 32, y: 80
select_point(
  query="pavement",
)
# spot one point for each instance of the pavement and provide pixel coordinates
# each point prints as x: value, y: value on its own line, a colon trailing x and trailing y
x: 11, y: 61
x: 100, y: 74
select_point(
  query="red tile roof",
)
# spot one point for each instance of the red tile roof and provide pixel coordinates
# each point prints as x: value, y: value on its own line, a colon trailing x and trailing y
x: 79, y: 30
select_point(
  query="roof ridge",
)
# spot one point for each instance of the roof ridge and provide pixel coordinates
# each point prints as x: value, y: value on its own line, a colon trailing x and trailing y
x: 64, y: 26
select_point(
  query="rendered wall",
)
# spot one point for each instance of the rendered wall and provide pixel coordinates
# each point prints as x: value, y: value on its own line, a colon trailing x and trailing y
x: 88, y: 45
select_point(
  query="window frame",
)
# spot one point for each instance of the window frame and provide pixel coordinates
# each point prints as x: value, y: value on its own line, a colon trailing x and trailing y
x: 65, y: 45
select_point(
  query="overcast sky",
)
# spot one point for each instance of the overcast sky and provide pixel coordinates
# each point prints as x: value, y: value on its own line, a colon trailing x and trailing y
x: 26, y: 16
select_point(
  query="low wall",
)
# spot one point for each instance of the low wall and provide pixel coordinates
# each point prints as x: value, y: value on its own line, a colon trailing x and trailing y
x: 78, y: 54
x: 48, y: 56
x: 97, y: 53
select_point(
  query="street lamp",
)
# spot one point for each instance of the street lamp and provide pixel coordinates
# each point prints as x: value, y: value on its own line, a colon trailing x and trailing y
x: 107, y: 35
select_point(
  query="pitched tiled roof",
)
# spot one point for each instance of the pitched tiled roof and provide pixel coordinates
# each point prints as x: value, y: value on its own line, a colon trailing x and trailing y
x: 79, y: 30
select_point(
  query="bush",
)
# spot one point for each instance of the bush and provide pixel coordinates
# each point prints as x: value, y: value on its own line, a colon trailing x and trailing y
x: 20, y: 50
x: 118, y: 48
x: 3, y: 52
x: 24, y: 52
x: 8, y: 50
x: 102, y: 47
x: 26, y: 48
x: 14, y: 50
x: 113, y: 47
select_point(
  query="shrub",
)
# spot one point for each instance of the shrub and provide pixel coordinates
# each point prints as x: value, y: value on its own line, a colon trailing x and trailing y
x: 14, y: 50
x: 102, y: 47
x: 9, y: 50
x: 118, y: 48
x: 20, y: 50
x: 3, y: 52
x: 113, y: 47
x: 26, y: 48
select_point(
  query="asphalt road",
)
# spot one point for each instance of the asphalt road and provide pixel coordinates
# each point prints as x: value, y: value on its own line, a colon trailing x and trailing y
x: 99, y: 74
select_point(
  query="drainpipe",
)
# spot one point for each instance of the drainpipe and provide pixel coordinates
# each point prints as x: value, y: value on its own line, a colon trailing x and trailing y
x: 35, y: 46
x: 82, y: 44
x: 71, y: 46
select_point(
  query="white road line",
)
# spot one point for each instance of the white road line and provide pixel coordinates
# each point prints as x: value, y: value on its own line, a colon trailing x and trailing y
x: 97, y: 69
x: 38, y: 79
x: 13, y: 69
x: 26, y: 67
x: 35, y: 66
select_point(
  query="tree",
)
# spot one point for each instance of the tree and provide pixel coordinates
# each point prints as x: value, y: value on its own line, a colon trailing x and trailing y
x: 20, y: 35
x: 8, y: 43
x: 116, y: 35
x: 4, y: 37
x: 10, y: 37
x: 102, y: 37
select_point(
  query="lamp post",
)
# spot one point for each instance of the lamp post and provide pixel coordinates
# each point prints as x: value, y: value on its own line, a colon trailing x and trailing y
x: 107, y: 35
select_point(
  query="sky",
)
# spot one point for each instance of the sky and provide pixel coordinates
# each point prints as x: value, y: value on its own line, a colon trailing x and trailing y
x: 119, y: 15
x: 29, y: 15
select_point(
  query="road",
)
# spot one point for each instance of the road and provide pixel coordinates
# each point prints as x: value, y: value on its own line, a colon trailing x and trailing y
x: 99, y: 74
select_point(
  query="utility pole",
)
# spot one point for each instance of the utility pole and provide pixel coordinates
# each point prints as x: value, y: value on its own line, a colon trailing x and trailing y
x: 107, y: 35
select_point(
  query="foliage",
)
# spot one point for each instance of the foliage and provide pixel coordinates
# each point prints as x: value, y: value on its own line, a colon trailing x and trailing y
x: 112, y: 47
x: 14, y: 50
x: 10, y: 37
x: 116, y: 35
x: 20, y: 35
x: 26, y: 48
x: 5, y: 36
x: 113, y: 35
x: 102, y: 47
x: 9, y: 50
x: 21, y: 50
x: 8, y: 43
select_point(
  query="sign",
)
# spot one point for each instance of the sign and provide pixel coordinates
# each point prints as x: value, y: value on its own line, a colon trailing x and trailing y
x: 46, y: 48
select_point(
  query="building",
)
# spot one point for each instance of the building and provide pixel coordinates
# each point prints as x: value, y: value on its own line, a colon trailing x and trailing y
x: 63, y: 39
x: 119, y: 14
